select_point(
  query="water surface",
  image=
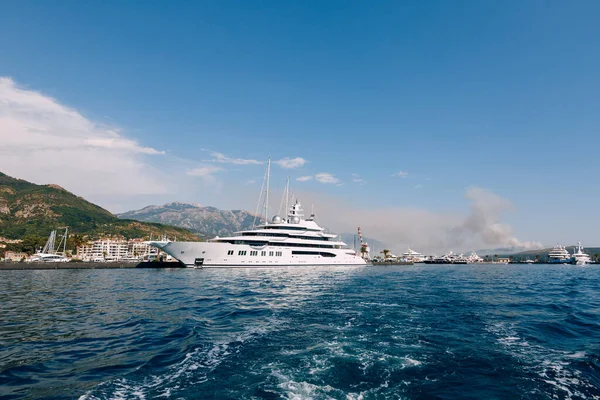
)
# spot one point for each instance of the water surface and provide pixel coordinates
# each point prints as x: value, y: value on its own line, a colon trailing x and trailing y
x: 446, y: 332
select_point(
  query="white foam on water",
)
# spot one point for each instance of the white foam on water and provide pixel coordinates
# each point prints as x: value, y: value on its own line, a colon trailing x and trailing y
x: 300, y: 390
x: 194, y: 369
x: 552, y: 366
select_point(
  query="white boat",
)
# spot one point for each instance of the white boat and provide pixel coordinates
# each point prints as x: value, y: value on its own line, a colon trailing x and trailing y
x: 473, y: 258
x: 288, y: 241
x: 580, y: 257
x: 49, y: 254
x: 413, y: 256
x: 559, y: 255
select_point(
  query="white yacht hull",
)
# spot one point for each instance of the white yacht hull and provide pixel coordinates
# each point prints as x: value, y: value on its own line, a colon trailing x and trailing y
x: 226, y: 255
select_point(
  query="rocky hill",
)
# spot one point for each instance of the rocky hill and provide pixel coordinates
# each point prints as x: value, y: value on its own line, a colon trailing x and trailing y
x: 209, y: 221
x: 27, y: 209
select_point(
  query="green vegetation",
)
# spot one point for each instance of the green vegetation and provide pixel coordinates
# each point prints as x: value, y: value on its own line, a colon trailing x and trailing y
x: 30, y: 212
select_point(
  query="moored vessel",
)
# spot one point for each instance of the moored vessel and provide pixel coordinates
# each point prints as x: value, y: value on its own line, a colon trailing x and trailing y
x: 49, y: 254
x: 291, y: 240
x: 581, y: 258
x: 559, y: 255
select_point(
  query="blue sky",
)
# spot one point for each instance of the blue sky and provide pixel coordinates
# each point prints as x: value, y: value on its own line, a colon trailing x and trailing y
x: 495, y: 95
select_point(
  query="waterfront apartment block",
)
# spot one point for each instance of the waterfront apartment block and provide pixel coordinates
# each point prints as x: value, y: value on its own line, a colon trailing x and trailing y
x: 116, y: 250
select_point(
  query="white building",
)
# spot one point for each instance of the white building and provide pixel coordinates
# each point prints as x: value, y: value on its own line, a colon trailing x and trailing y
x: 116, y: 250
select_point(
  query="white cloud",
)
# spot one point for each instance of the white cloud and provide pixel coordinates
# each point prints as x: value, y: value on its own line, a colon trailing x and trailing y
x: 304, y: 178
x: 357, y: 179
x: 400, y: 174
x: 325, y: 177
x: 250, y: 182
x: 45, y: 141
x: 223, y: 159
x: 206, y: 173
x: 290, y: 163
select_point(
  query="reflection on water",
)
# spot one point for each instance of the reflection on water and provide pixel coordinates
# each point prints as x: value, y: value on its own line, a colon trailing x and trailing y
x: 358, y: 332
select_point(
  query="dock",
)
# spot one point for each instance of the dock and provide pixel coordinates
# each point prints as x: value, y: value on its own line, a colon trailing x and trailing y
x: 86, y: 265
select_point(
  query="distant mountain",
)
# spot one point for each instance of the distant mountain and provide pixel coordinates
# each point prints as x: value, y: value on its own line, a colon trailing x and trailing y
x: 208, y: 221
x: 27, y: 209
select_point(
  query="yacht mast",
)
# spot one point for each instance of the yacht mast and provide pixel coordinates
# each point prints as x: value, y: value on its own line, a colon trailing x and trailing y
x: 267, y: 191
x: 287, y: 198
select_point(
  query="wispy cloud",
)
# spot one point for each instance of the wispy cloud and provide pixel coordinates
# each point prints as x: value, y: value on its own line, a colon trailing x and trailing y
x: 207, y: 173
x: 357, y: 179
x: 120, y: 143
x: 223, y: 159
x: 290, y: 163
x: 250, y: 182
x: 45, y: 141
x: 304, y: 178
x: 419, y: 186
x: 400, y: 174
x: 325, y: 177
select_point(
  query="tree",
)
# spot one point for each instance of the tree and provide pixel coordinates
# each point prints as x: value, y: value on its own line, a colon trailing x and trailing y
x: 386, y: 254
x: 487, y: 258
x: 596, y: 256
x: 495, y: 256
x: 537, y: 258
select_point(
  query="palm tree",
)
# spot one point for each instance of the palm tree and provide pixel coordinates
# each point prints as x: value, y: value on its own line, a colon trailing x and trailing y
x: 596, y: 256
x: 537, y: 258
x: 495, y: 256
x: 487, y: 258
x: 386, y: 254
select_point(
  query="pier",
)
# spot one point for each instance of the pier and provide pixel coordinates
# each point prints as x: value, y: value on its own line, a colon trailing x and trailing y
x: 86, y: 265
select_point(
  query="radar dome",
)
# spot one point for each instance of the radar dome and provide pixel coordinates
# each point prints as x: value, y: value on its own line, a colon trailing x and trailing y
x: 295, y: 220
x: 276, y: 219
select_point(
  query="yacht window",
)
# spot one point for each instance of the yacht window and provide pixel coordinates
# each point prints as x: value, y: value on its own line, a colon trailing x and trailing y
x: 230, y: 253
x: 263, y: 253
x: 241, y: 253
x: 270, y: 254
x: 254, y: 253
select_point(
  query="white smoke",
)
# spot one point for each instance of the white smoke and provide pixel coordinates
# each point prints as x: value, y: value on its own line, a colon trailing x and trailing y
x: 423, y: 230
x: 483, y: 222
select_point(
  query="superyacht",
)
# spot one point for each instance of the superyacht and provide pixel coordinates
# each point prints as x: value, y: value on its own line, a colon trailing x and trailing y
x: 559, y: 255
x: 291, y: 240
x: 413, y: 256
x: 581, y: 258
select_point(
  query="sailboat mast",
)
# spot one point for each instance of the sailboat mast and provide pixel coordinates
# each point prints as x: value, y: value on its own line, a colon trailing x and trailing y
x: 65, y: 245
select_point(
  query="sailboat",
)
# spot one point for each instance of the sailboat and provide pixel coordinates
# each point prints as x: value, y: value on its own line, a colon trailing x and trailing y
x: 49, y: 254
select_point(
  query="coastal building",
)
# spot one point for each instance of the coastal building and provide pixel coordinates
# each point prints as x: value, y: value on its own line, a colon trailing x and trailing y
x: 15, y: 255
x: 116, y: 250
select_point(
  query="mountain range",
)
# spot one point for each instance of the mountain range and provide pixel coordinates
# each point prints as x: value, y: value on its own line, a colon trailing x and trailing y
x: 204, y: 221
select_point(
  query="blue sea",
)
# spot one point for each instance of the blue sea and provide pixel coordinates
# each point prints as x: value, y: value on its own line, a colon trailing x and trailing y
x: 390, y: 332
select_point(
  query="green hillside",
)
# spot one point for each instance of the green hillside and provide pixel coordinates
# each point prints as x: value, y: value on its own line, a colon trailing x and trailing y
x: 32, y: 211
